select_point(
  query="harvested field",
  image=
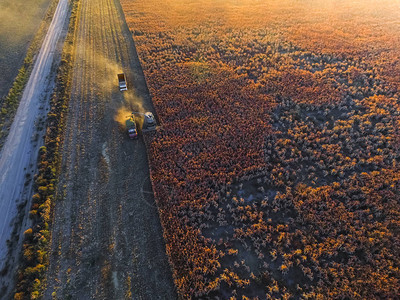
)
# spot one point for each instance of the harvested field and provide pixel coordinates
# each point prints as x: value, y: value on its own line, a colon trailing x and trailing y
x: 107, y: 240
x: 277, y: 168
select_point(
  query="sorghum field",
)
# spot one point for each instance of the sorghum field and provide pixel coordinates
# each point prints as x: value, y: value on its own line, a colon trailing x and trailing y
x: 276, y: 169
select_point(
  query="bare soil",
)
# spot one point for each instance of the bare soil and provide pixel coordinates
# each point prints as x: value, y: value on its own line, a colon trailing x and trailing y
x: 107, y: 240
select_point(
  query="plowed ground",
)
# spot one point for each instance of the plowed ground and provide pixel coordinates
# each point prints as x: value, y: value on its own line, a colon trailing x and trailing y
x: 107, y: 240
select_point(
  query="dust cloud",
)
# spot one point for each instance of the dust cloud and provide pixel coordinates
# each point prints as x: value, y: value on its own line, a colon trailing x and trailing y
x: 122, y: 115
x: 106, y: 81
x: 19, y: 20
x: 110, y: 70
x: 131, y: 103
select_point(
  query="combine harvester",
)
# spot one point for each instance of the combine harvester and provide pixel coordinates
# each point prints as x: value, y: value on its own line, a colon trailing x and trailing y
x: 149, y: 122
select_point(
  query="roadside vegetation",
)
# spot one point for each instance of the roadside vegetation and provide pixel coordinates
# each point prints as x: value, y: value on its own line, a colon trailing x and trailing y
x: 9, y: 103
x: 276, y: 169
x: 35, y: 253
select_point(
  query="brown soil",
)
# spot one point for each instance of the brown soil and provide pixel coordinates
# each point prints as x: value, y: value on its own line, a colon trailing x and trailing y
x: 107, y: 239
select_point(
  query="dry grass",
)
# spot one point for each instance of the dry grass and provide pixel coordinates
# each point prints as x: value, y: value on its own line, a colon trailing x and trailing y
x: 19, y: 21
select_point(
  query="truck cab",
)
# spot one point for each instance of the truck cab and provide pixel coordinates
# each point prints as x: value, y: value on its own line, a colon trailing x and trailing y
x: 122, y: 82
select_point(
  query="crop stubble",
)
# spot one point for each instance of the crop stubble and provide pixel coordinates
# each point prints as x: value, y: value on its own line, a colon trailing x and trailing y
x: 107, y: 241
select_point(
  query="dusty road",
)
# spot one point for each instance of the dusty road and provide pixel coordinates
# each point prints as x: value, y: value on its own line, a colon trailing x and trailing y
x: 19, y: 153
x: 107, y: 239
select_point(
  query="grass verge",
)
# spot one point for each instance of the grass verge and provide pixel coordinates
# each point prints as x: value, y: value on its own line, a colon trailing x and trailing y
x: 34, y: 260
x: 9, y: 104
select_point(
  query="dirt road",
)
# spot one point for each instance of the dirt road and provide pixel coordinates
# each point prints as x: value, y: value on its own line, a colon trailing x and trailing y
x: 19, y: 153
x: 107, y: 239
